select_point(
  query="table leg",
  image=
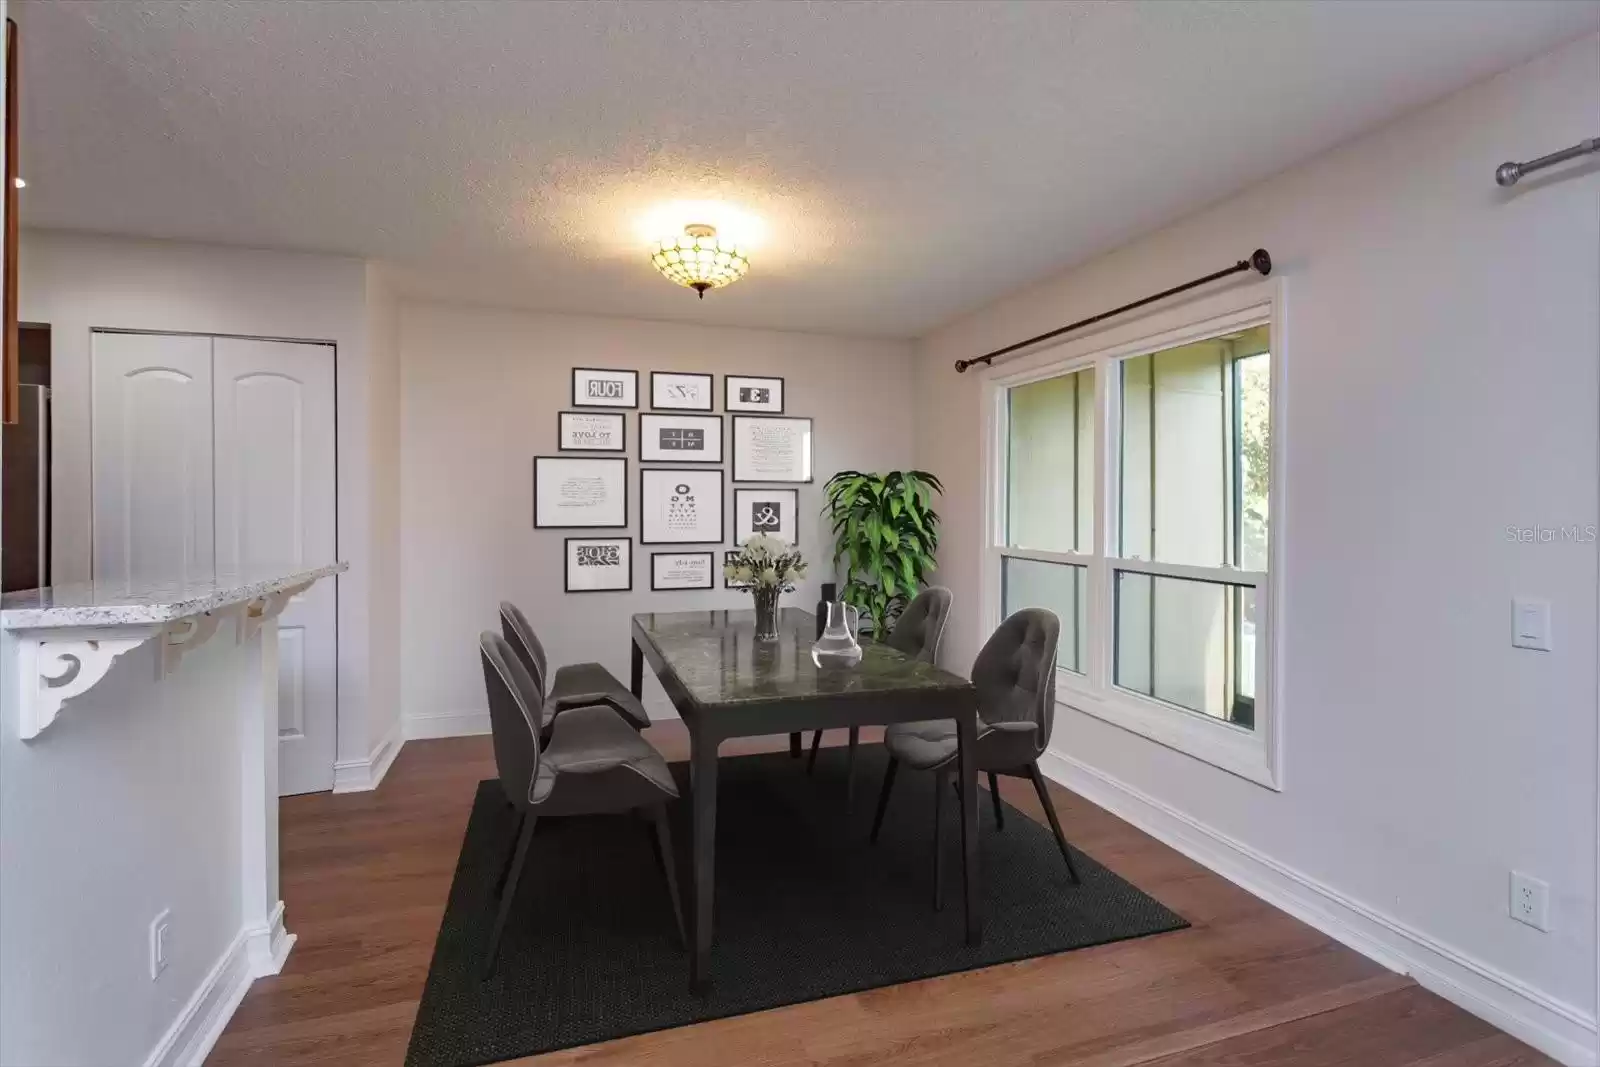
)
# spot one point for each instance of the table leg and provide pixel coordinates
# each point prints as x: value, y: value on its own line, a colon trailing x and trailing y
x: 967, y: 734
x: 637, y: 681
x: 794, y: 746
x: 703, y: 766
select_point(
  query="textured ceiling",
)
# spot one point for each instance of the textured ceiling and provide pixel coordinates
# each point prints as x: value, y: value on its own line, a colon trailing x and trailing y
x: 909, y: 161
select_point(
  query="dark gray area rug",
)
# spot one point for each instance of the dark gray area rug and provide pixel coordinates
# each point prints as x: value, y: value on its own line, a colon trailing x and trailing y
x: 805, y: 909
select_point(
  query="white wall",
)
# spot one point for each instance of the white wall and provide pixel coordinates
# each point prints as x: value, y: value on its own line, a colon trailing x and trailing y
x: 383, y: 350
x: 480, y: 393
x: 1441, y: 349
x: 130, y: 803
x: 80, y: 282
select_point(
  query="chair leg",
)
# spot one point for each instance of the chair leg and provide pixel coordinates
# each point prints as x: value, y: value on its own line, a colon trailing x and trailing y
x: 794, y: 745
x: 669, y: 868
x: 850, y: 770
x: 511, y: 852
x: 994, y: 800
x: 816, y: 742
x: 938, y: 841
x: 1050, y: 813
x: 509, y: 895
x: 883, y: 797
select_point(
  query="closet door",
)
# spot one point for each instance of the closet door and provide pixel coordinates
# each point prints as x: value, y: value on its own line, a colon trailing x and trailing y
x: 151, y: 458
x: 274, y: 418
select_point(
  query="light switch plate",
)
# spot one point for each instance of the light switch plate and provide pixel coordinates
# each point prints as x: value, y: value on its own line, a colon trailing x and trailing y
x: 1530, y: 624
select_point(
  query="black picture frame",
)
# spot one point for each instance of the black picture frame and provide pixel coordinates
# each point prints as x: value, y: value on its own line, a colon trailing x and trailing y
x: 645, y: 436
x: 620, y: 416
x: 566, y: 565
x: 722, y: 503
x: 587, y: 457
x: 711, y: 579
x: 793, y: 504
x: 733, y: 444
x: 578, y: 402
x: 711, y: 390
x: 731, y: 406
x: 728, y: 556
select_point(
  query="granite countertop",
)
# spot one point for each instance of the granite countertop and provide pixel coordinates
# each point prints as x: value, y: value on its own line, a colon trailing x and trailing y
x: 133, y: 603
x: 717, y: 659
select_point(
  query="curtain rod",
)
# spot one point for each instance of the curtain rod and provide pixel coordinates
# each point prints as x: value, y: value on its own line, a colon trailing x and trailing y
x: 1258, y: 261
x: 1508, y: 174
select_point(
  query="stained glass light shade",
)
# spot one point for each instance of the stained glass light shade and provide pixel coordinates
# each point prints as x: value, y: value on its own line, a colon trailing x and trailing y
x: 700, y: 260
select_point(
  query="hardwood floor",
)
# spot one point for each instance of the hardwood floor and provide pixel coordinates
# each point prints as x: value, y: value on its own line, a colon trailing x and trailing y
x: 365, y: 877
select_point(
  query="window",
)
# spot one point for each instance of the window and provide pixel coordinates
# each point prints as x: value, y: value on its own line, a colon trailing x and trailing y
x: 1132, y: 492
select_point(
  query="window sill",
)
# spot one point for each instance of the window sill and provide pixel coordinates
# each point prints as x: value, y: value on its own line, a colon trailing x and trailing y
x: 1246, y: 753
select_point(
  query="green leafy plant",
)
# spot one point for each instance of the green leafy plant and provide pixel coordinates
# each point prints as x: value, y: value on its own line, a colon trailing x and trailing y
x: 885, y: 533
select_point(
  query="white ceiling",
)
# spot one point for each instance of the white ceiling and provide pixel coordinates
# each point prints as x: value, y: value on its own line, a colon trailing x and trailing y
x: 911, y: 161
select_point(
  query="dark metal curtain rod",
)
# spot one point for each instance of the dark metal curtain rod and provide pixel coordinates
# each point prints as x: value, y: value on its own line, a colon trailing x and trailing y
x: 1258, y: 261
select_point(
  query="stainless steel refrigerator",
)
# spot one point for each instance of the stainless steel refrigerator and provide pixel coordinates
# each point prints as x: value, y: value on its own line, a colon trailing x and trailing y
x: 25, y: 487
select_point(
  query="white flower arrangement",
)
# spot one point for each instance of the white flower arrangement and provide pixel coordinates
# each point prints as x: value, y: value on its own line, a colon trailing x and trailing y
x: 764, y: 562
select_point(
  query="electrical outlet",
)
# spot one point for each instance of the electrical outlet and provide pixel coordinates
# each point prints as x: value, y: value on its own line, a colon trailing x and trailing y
x: 158, y: 942
x: 1530, y: 901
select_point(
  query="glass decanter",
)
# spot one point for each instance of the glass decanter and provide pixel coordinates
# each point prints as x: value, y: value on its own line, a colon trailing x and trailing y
x: 837, y: 646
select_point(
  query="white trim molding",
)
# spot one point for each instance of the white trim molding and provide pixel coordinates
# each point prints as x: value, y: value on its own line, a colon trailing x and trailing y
x: 362, y: 775
x: 1561, y: 1030
x: 450, y: 724
x: 190, y: 1038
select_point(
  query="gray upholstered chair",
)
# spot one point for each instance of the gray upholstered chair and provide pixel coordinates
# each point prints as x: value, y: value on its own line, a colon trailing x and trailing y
x: 918, y: 633
x: 594, y: 763
x: 1015, y: 675
x: 575, y: 685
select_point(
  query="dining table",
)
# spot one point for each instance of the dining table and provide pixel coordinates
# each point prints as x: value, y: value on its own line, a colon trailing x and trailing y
x: 726, y: 683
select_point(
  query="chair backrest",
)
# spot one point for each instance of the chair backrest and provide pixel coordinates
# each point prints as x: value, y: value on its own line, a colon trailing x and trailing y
x: 1015, y: 673
x: 920, y: 628
x: 513, y: 716
x: 517, y: 630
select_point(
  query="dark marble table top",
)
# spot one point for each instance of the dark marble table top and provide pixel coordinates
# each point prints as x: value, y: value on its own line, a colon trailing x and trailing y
x: 718, y: 661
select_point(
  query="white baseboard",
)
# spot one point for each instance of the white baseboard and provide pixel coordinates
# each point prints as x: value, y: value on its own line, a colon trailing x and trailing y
x: 360, y: 775
x: 451, y: 724
x: 1558, y: 1029
x: 189, y: 1039
x: 267, y: 945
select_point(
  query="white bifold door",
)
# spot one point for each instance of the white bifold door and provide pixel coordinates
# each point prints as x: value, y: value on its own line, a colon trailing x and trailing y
x: 216, y: 456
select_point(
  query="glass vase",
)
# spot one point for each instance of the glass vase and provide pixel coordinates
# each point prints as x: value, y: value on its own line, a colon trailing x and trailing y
x: 766, y: 613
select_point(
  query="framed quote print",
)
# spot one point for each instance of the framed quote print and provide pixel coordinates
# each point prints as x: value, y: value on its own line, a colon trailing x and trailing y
x: 591, y: 431
x: 680, y: 438
x: 680, y: 507
x: 728, y: 558
x: 771, y: 449
x: 572, y: 492
x: 681, y: 570
x: 774, y: 512
x: 596, y: 388
x: 675, y: 391
x: 599, y: 564
x: 745, y: 393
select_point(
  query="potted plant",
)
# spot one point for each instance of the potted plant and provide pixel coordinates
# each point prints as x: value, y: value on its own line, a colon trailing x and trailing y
x: 767, y: 566
x: 885, y: 534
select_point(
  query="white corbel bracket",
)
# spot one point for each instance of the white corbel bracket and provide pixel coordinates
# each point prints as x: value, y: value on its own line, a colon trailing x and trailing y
x: 264, y: 608
x: 185, y: 635
x: 55, y: 666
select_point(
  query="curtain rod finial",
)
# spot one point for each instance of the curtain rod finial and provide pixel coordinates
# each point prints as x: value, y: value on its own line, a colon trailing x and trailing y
x: 1261, y: 261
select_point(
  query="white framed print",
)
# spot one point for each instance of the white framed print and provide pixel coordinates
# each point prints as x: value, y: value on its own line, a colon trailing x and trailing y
x: 774, y: 512
x: 680, y: 507
x: 742, y: 392
x: 599, y: 564
x: 680, y: 438
x: 593, y: 387
x: 584, y: 493
x: 591, y: 431
x: 681, y: 570
x: 677, y: 391
x: 771, y: 449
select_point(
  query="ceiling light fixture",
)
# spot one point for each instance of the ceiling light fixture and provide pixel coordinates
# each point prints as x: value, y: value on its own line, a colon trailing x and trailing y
x: 699, y: 259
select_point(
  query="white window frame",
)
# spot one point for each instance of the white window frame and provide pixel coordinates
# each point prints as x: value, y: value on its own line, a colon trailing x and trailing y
x: 1255, y: 754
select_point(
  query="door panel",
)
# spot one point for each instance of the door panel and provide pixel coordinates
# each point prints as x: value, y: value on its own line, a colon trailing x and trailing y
x: 151, y: 458
x: 274, y: 414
